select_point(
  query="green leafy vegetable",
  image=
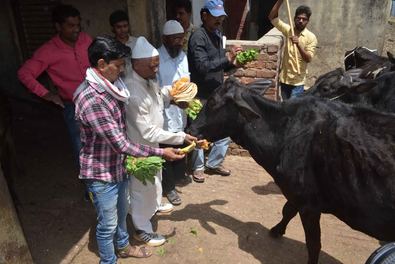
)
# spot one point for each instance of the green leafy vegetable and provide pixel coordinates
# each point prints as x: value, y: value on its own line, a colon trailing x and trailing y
x: 193, y: 231
x: 144, y: 168
x: 194, y: 108
x: 247, y: 56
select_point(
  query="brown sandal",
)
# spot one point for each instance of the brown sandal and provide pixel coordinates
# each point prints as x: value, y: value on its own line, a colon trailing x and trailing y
x: 134, y: 251
x: 198, y: 176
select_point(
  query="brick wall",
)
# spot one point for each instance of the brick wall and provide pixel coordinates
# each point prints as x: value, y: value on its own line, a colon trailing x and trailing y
x: 265, y: 67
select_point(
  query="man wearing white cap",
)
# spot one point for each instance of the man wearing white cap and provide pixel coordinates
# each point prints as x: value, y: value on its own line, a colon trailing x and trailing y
x: 144, y: 121
x: 173, y: 65
x: 207, y: 62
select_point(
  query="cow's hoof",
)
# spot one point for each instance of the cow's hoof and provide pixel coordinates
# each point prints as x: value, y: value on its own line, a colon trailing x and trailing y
x: 276, y: 232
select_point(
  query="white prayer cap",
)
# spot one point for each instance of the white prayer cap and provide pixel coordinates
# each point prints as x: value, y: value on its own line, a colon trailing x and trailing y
x: 143, y: 49
x: 172, y: 27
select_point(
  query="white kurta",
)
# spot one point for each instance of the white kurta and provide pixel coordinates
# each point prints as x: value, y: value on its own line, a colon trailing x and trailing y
x: 170, y: 70
x: 144, y: 123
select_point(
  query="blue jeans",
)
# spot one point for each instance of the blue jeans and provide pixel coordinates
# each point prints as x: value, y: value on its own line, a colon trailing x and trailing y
x: 73, y: 129
x: 215, y: 157
x: 110, y: 201
x: 291, y: 91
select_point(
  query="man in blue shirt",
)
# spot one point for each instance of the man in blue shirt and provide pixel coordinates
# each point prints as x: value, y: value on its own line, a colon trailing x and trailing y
x: 173, y: 65
x: 208, y: 60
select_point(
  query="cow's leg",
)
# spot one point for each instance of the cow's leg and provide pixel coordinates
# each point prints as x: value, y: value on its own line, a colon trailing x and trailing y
x: 312, y: 230
x: 289, y: 212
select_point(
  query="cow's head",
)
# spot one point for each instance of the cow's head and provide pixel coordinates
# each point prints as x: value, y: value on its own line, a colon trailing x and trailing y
x: 358, y: 57
x: 224, y: 113
x: 331, y: 84
x: 337, y: 83
x: 372, y: 64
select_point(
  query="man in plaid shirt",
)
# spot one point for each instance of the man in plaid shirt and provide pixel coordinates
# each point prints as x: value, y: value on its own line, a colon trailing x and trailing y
x: 99, y: 104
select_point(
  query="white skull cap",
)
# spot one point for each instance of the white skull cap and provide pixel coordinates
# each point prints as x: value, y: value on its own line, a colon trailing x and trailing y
x: 143, y: 49
x: 172, y: 27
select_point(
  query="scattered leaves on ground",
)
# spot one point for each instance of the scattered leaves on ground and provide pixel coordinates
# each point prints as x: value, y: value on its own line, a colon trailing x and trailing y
x: 160, y: 251
x: 193, y: 231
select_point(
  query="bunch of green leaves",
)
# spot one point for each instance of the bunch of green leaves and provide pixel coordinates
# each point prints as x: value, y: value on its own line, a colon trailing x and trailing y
x: 194, y: 108
x: 144, y: 168
x: 247, y: 56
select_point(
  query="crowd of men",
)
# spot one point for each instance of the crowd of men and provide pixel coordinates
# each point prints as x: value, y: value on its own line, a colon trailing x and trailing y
x: 115, y: 96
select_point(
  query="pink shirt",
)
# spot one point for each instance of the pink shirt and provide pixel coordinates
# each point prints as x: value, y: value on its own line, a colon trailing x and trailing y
x: 65, y: 65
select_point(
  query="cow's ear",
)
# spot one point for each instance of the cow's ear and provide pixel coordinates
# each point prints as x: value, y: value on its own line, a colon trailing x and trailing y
x: 362, y: 85
x: 245, y: 109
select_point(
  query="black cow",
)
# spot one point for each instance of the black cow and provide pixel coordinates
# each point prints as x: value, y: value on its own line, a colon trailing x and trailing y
x: 349, y: 88
x: 344, y: 86
x: 326, y: 157
x: 372, y: 65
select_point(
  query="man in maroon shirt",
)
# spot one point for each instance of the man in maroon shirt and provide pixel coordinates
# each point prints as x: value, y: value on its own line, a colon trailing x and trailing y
x: 65, y: 59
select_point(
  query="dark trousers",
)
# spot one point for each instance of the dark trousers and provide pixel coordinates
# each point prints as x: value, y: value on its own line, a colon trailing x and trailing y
x: 291, y: 91
x: 73, y: 129
x: 172, y: 172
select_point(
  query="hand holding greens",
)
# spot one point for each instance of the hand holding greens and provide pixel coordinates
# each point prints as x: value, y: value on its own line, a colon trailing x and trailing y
x: 144, y: 168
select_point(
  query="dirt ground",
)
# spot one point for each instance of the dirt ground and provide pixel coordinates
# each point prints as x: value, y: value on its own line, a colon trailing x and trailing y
x: 224, y: 220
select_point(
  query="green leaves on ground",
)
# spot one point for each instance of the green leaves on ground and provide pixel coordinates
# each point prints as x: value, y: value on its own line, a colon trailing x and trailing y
x: 193, y: 231
x: 194, y: 108
x: 247, y: 56
x: 161, y: 251
x: 144, y: 168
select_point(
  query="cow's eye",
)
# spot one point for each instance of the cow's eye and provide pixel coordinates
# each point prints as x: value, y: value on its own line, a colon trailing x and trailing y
x: 325, y: 88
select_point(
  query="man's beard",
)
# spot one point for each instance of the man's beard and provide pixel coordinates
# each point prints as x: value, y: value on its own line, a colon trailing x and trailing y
x: 300, y: 27
x: 173, y: 51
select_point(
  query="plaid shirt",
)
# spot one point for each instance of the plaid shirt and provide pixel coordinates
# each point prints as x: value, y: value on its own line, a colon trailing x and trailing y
x: 103, y: 135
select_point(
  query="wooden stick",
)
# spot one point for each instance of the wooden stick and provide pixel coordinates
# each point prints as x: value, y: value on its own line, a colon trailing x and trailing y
x: 293, y: 33
x: 242, y: 21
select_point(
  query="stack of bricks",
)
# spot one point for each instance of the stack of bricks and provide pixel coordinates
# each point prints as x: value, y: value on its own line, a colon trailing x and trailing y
x: 267, y: 66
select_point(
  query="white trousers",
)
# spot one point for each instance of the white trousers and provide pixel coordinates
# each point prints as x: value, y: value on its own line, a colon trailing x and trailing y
x: 144, y: 201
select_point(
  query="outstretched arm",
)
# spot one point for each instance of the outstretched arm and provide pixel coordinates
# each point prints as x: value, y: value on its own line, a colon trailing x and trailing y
x: 274, y: 13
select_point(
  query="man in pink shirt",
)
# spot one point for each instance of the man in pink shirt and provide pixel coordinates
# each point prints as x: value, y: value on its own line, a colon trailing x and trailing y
x: 65, y: 59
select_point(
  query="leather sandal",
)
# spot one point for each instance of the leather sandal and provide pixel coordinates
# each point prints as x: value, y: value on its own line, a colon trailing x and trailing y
x: 173, y: 197
x: 134, y: 251
x: 198, y: 176
x: 220, y: 170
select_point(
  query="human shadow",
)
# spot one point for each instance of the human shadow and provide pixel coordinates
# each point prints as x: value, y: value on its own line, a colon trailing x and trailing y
x: 52, y: 211
x: 253, y: 238
x: 270, y: 188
